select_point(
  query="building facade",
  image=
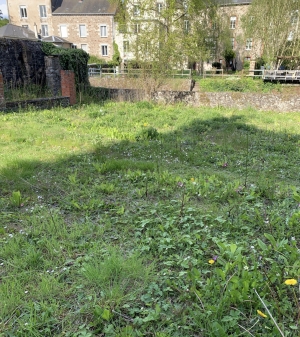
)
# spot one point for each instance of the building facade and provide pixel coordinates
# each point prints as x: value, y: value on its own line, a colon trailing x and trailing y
x: 246, y: 49
x: 87, y: 24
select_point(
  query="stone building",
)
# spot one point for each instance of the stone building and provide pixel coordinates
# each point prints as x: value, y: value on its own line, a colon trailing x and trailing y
x: 245, y: 48
x: 87, y: 24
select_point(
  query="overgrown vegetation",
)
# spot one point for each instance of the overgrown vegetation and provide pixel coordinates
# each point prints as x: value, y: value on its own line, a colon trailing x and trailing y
x: 71, y: 59
x: 242, y: 84
x: 25, y: 91
x: 141, y: 220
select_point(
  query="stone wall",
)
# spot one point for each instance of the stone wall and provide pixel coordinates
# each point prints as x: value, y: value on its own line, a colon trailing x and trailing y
x: 93, y: 41
x: 38, y: 103
x: 53, y: 78
x: 2, y: 99
x: 236, y: 100
x: 22, y: 62
x: 263, y: 102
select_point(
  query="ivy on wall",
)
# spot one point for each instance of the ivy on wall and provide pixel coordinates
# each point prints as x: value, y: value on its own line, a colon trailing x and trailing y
x: 70, y: 59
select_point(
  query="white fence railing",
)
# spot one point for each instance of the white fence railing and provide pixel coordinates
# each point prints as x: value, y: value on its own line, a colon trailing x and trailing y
x: 282, y: 75
x: 115, y: 72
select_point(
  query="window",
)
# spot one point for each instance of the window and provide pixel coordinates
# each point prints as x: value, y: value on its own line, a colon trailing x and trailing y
x: 23, y: 12
x: 63, y: 31
x: 84, y: 47
x: 103, y: 31
x: 248, y: 44
x: 74, y: 46
x: 104, y: 50
x: 44, y: 30
x: 126, y: 46
x: 159, y: 7
x: 136, y: 10
x: 186, y: 26
x: 232, y: 22
x: 232, y: 42
x: 82, y: 30
x: 136, y: 28
x: 43, y: 13
x: 25, y: 26
x: 247, y: 59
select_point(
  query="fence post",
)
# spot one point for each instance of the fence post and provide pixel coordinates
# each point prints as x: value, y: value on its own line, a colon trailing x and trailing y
x: 2, y: 99
x: 68, y: 88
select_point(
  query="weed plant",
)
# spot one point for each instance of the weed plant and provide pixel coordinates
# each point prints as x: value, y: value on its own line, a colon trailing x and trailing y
x: 134, y: 219
x: 23, y: 92
x: 242, y: 84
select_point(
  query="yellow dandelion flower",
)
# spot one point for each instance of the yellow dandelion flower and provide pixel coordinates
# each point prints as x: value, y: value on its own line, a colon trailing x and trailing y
x: 261, y: 314
x: 290, y: 282
x: 192, y: 180
x: 211, y: 261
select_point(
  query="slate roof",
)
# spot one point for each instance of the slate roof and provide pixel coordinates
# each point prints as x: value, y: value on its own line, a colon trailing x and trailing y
x: 83, y: 7
x: 55, y: 39
x: 10, y: 31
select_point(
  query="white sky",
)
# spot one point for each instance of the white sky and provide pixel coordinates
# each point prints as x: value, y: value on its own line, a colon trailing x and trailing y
x: 3, y: 8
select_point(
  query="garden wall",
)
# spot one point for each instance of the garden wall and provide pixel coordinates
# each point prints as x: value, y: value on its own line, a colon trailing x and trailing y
x: 264, y: 102
x: 22, y: 61
x: 38, y: 103
x: 238, y: 100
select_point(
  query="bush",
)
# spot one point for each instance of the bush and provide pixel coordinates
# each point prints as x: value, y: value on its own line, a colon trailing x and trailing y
x: 238, y: 85
x: 71, y: 59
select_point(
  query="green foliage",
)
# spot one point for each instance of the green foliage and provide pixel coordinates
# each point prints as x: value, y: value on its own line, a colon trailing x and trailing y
x: 95, y: 59
x: 3, y: 22
x: 116, y: 59
x: 237, y: 84
x: 246, y: 65
x: 71, y: 59
x: 229, y: 55
x: 259, y: 62
x: 173, y: 233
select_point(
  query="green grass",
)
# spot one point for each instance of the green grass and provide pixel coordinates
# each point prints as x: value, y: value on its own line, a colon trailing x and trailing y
x: 231, y: 83
x: 125, y: 219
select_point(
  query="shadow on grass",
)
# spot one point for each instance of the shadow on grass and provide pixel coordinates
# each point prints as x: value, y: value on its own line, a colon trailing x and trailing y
x: 154, y: 163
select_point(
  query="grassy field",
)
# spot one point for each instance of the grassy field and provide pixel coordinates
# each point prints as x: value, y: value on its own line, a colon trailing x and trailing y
x: 125, y: 219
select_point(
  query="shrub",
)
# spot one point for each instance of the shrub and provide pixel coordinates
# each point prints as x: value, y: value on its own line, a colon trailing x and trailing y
x: 71, y: 59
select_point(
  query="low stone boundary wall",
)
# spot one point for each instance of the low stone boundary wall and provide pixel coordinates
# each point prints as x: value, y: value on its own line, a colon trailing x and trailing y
x: 263, y: 102
x: 130, y: 95
x: 238, y: 100
x: 38, y: 103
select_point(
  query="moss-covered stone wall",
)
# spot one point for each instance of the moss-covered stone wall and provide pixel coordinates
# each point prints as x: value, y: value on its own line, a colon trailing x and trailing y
x: 22, y: 62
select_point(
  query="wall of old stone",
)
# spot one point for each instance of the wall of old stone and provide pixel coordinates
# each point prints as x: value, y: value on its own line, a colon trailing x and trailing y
x: 235, y: 100
x: 53, y: 78
x: 33, y: 20
x: 2, y: 98
x: 38, y: 103
x: 22, y: 62
x: 93, y: 40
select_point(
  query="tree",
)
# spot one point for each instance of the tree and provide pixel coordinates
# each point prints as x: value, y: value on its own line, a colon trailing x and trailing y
x: 167, y: 35
x: 274, y: 24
